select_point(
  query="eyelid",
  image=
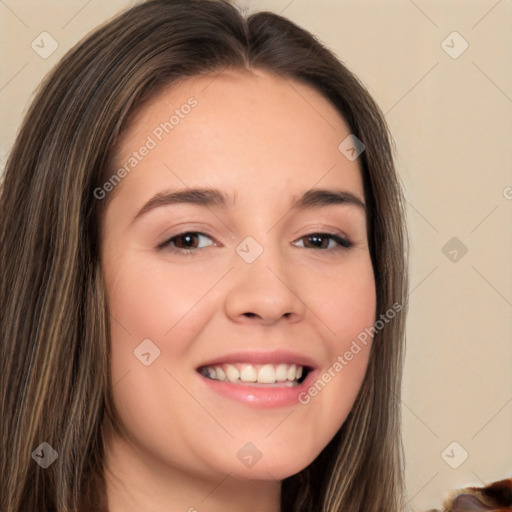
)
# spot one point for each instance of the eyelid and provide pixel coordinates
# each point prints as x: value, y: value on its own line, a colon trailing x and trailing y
x: 166, y: 242
x: 342, y: 241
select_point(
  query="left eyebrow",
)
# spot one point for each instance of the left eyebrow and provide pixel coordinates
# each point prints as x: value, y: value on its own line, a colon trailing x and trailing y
x: 320, y: 197
x: 213, y: 197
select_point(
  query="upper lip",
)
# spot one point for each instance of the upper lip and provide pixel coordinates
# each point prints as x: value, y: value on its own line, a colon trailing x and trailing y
x: 261, y: 357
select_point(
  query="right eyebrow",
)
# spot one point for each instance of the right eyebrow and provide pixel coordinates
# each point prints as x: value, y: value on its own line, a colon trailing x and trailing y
x: 201, y: 197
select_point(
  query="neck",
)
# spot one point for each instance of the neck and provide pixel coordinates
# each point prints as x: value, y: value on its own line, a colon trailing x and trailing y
x: 138, y: 483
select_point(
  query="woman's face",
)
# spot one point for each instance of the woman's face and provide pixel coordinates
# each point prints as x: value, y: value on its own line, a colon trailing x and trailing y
x: 235, y: 281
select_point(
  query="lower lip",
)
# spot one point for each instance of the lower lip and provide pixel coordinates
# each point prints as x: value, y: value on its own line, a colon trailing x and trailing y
x: 260, y: 396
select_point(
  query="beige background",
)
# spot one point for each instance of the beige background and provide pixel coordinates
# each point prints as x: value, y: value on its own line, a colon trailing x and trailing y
x: 452, y: 122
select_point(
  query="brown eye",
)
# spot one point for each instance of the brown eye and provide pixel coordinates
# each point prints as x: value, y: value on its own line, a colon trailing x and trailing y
x: 322, y: 240
x: 184, y: 242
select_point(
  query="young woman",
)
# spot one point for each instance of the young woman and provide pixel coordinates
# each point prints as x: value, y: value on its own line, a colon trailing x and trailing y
x: 204, y: 276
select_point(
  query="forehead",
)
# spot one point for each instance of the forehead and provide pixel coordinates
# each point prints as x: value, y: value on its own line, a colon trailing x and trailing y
x: 250, y: 131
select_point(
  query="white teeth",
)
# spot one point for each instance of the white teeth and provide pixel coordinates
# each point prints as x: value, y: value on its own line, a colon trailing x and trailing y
x: 248, y: 373
x: 291, y: 372
x: 220, y: 373
x: 282, y: 374
x: 232, y: 373
x: 267, y: 374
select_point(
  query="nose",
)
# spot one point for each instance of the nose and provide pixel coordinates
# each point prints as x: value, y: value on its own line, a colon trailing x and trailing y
x: 264, y: 292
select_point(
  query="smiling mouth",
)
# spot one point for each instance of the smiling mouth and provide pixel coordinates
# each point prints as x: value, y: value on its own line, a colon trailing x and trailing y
x: 265, y: 375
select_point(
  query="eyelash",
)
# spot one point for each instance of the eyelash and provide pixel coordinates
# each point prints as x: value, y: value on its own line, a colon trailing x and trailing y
x: 343, y: 243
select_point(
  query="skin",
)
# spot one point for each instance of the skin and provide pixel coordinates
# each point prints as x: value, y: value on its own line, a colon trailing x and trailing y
x: 263, y: 141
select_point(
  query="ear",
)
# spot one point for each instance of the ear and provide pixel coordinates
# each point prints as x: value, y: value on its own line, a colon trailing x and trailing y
x: 467, y: 503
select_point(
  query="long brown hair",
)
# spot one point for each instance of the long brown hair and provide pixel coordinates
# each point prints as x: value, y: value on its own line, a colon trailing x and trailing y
x: 54, y: 335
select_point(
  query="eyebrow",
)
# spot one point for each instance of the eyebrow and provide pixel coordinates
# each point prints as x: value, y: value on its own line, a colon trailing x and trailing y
x: 212, y: 197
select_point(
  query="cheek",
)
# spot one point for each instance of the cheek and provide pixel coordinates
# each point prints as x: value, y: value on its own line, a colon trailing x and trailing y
x: 346, y: 304
x: 150, y: 299
x: 345, y: 299
x: 166, y: 304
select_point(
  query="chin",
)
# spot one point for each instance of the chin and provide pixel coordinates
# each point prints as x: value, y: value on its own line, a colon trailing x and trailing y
x: 273, y: 462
